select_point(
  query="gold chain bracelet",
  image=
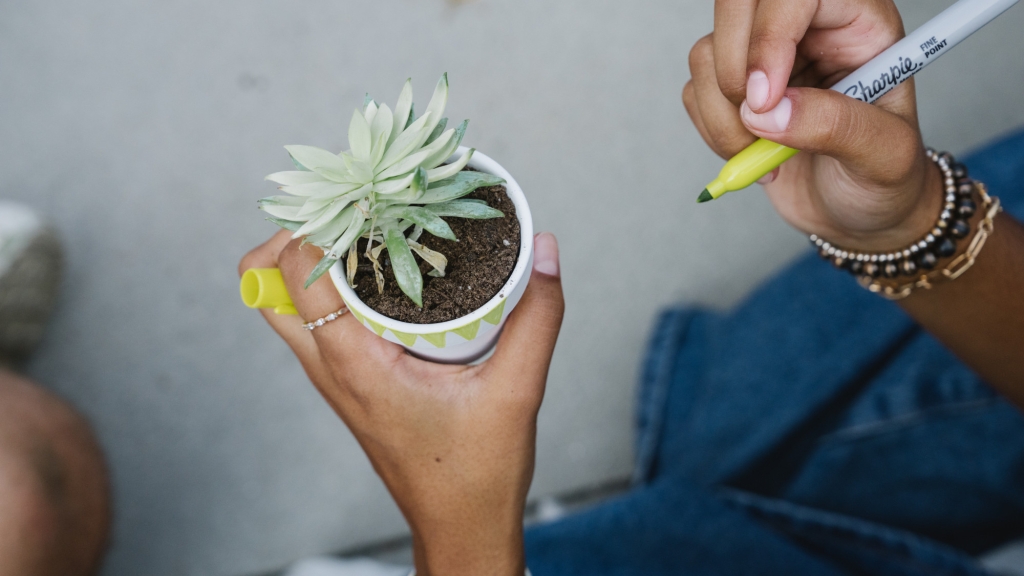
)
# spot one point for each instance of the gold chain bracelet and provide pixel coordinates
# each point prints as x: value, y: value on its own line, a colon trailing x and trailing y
x: 956, y: 267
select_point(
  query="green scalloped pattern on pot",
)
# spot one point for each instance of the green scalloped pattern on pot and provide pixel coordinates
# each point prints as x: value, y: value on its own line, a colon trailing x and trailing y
x: 467, y: 338
x: 467, y: 331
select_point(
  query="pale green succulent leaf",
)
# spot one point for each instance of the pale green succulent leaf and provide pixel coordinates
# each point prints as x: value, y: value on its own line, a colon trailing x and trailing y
x: 292, y: 177
x: 438, y: 130
x: 323, y: 218
x: 312, y: 157
x: 453, y: 146
x: 360, y: 169
x: 402, y: 109
x: 358, y: 194
x: 385, y: 187
x: 465, y: 209
x: 422, y: 217
x: 419, y: 182
x: 333, y: 175
x: 325, y: 236
x: 286, y: 224
x: 482, y: 178
x: 408, y: 195
x: 298, y: 166
x: 437, y: 102
x: 403, y: 197
x: 346, y: 190
x: 369, y: 112
x: 359, y: 136
x: 367, y: 100
x: 380, y: 146
x: 324, y: 265
x: 458, y: 186
x: 439, y: 149
x: 380, y: 131
x: 449, y: 170
x: 410, y: 139
x: 403, y: 264
x: 281, y: 201
x: 406, y: 165
x: 320, y: 189
x: 282, y: 212
x: 352, y: 233
x: 436, y: 149
x: 329, y: 233
x: 384, y: 224
x: 313, y: 206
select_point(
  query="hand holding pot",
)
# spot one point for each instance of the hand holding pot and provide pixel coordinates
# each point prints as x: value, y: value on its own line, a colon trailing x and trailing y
x: 453, y: 444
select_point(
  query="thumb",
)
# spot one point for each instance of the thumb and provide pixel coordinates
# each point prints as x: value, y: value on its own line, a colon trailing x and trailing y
x: 529, y: 337
x: 870, y: 141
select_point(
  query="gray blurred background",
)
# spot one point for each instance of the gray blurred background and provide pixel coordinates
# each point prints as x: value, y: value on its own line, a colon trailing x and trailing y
x: 143, y: 131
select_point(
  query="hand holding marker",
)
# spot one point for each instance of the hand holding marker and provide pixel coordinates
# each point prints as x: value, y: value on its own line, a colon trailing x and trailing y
x: 869, y: 83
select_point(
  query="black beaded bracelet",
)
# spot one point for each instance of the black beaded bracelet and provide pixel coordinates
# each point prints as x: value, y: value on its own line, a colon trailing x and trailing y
x: 953, y: 225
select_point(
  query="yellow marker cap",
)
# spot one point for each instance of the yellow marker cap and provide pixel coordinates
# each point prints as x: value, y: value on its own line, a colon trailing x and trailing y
x: 747, y: 167
x: 264, y: 288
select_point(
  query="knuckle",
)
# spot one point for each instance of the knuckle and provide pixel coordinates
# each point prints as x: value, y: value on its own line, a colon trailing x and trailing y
x: 759, y: 40
x: 735, y: 89
x: 248, y: 261
x: 702, y: 53
x: 727, y: 142
x: 904, y: 157
x: 764, y: 43
x: 832, y: 119
x: 288, y: 260
x: 689, y: 95
x: 837, y: 129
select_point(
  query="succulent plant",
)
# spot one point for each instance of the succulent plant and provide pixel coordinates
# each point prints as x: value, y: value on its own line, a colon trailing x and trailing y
x: 389, y: 187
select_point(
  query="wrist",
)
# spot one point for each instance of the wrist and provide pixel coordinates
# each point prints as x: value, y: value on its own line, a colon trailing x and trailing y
x: 915, y: 224
x: 471, y: 559
x: 494, y: 549
x: 945, y: 253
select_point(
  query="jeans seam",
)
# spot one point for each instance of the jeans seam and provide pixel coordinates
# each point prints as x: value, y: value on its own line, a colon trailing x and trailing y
x: 883, y: 541
x: 659, y: 365
x: 903, y: 421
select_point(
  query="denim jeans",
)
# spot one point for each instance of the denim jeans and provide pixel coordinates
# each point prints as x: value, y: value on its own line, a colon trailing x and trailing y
x: 813, y: 430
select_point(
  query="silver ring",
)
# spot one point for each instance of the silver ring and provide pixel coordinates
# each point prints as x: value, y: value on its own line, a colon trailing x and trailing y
x: 321, y: 321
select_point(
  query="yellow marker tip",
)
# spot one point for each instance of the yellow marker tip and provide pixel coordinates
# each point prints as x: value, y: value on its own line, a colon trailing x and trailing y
x: 705, y: 196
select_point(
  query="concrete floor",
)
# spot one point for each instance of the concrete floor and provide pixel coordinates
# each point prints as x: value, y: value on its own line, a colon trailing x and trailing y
x: 143, y: 131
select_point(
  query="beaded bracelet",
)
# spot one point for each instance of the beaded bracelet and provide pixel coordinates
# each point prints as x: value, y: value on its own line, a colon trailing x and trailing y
x: 924, y: 255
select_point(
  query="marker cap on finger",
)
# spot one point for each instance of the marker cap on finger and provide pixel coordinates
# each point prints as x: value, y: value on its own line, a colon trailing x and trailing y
x: 264, y: 288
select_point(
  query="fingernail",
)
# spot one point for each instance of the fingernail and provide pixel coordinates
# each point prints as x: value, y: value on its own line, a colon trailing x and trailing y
x: 774, y: 120
x: 769, y: 177
x: 757, y: 89
x: 545, y: 254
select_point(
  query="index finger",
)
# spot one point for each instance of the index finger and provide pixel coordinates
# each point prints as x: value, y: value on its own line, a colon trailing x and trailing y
x: 342, y: 342
x: 779, y: 25
x: 289, y: 328
x: 733, y: 21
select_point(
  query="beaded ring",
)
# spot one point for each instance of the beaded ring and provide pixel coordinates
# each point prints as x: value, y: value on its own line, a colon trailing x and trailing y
x: 953, y: 224
x: 321, y: 321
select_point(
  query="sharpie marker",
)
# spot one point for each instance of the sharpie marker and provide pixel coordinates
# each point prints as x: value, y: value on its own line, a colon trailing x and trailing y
x: 869, y: 83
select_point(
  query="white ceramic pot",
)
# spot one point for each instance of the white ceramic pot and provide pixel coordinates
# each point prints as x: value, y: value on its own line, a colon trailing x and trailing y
x: 468, y: 338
